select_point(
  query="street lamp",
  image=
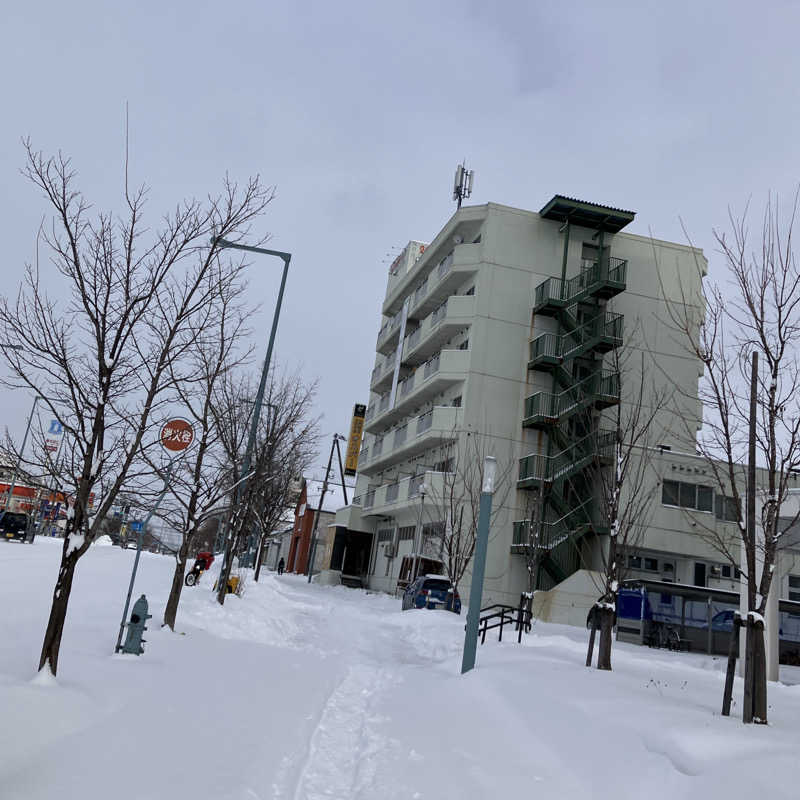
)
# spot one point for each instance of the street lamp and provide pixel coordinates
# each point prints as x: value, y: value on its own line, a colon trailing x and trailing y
x: 479, y: 565
x: 251, y: 439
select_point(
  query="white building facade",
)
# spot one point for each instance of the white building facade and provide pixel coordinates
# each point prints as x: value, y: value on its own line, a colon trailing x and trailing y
x: 504, y: 329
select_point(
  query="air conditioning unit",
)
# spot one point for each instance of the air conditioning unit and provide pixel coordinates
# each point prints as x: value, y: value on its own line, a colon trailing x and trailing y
x: 388, y: 550
x: 716, y: 570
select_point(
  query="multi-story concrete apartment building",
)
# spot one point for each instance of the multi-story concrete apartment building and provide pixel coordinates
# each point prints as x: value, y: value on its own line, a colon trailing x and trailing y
x: 507, y: 327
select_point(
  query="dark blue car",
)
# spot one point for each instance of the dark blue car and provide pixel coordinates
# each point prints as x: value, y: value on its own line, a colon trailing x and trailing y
x: 432, y: 591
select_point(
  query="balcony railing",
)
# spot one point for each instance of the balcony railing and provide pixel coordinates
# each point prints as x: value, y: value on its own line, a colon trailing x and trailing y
x: 591, y: 277
x: 420, y: 292
x: 424, y: 422
x: 413, y: 338
x: 369, y: 498
x: 392, y: 490
x: 415, y: 484
x: 400, y: 436
x: 384, y: 403
x: 556, y: 406
x: 363, y: 455
x: 406, y: 385
x: 438, y: 315
x: 444, y: 265
x: 605, y: 327
x: 377, y: 447
x: 570, y: 460
x: 432, y: 366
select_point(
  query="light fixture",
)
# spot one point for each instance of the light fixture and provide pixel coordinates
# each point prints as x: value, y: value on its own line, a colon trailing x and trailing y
x: 489, y: 470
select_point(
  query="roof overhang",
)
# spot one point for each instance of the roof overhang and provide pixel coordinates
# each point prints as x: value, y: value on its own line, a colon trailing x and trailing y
x: 587, y: 215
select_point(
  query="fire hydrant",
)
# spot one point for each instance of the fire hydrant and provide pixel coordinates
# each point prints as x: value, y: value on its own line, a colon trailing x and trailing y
x: 134, y: 643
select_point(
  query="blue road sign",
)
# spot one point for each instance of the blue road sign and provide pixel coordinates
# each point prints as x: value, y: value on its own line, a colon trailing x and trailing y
x: 55, y: 427
x: 137, y: 526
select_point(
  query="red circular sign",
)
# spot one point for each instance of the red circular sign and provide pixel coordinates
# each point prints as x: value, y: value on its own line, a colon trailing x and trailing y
x: 176, y: 435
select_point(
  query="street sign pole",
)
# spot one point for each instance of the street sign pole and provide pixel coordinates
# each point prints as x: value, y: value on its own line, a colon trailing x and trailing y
x: 176, y: 436
x: 139, y: 542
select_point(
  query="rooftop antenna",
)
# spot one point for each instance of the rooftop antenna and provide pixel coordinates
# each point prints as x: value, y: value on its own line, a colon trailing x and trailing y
x: 462, y: 185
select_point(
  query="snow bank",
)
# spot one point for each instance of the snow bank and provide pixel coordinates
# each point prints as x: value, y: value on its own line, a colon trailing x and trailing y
x: 298, y: 691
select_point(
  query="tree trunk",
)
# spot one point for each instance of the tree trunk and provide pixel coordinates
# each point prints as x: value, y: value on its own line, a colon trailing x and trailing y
x: 171, y: 611
x: 606, y: 631
x: 262, y: 546
x: 593, y: 632
x: 58, y: 612
x: 759, y: 675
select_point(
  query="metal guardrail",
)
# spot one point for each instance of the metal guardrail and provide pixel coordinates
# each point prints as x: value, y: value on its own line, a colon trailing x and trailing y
x: 500, y: 615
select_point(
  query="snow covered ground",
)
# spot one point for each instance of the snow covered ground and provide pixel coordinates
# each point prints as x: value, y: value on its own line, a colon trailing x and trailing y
x: 305, y: 692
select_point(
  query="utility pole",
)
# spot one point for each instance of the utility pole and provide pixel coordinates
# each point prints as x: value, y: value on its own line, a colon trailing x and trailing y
x: 313, y: 547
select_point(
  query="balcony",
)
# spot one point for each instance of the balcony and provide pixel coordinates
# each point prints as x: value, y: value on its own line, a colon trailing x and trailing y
x: 443, y: 278
x: 603, y: 279
x: 394, y: 498
x: 445, y: 369
x: 383, y: 375
x: 455, y: 314
x: 387, y: 336
x: 432, y: 429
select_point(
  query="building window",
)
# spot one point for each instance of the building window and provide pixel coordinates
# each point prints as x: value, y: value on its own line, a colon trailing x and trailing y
x: 667, y: 567
x: 457, y: 402
x: 794, y: 583
x: 651, y: 564
x: 470, y: 291
x: 726, y: 571
x: 635, y: 562
x: 385, y: 535
x: 669, y: 493
x: 725, y: 508
x: 406, y: 533
x: 687, y: 495
x: 464, y: 345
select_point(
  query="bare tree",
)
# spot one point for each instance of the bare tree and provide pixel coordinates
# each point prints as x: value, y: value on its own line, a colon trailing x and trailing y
x: 196, y: 487
x: 99, y: 348
x: 286, y: 444
x: 756, y: 310
x: 454, y: 505
x: 625, y: 489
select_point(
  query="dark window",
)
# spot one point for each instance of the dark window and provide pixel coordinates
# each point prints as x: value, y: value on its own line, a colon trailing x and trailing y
x: 688, y: 495
x: 666, y: 599
x: 385, y: 535
x: 464, y: 345
x: 405, y: 533
x: 669, y: 493
x: 436, y: 585
x: 705, y: 498
x: 651, y: 564
x: 635, y: 562
x: 726, y: 509
x: 470, y: 291
x: 727, y: 572
x: 667, y: 567
x: 478, y: 240
x: 457, y: 402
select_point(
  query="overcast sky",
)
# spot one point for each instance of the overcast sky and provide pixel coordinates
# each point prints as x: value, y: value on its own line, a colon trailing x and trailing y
x: 359, y: 112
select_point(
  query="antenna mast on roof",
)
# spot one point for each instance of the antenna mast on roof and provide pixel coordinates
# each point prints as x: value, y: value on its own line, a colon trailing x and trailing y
x: 462, y: 185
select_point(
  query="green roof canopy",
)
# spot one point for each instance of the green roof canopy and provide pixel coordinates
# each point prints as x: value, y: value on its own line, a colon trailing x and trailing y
x: 587, y: 215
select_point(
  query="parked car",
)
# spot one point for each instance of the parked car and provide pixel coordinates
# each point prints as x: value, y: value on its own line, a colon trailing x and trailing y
x: 432, y: 591
x: 14, y: 526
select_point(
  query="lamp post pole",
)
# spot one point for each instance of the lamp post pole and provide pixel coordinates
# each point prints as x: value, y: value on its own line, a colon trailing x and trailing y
x: 479, y: 565
x: 251, y: 439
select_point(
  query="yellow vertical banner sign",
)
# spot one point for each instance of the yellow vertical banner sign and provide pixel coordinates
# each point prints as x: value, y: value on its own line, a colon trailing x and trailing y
x: 354, y: 442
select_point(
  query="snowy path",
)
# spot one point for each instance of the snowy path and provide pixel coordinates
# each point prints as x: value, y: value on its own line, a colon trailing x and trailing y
x: 298, y: 692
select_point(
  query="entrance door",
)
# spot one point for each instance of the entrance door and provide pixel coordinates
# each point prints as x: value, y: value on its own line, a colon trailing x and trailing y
x: 699, y: 574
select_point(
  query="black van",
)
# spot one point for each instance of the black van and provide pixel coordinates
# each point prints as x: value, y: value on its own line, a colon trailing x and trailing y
x: 14, y: 526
